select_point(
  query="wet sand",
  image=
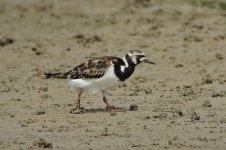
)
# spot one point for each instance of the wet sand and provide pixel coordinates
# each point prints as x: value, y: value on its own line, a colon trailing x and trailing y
x: 181, y: 100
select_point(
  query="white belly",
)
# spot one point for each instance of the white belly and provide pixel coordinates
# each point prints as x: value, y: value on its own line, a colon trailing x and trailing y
x: 109, y: 80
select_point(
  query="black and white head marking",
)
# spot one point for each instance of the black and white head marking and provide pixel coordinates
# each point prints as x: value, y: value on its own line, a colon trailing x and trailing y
x: 135, y: 57
x: 127, y: 64
x: 138, y: 57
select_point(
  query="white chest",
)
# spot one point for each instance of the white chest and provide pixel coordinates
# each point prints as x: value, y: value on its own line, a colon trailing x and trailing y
x: 109, y: 80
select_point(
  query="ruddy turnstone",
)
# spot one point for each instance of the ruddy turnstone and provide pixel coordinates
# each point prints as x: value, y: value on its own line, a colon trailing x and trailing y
x: 101, y: 73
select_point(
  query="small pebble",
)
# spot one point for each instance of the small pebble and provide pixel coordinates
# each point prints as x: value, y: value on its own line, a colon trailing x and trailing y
x: 206, y: 103
x: 133, y: 107
x: 194, y: 116
x: 6, y: 41
x: 219, y: 56
x: 113, y: 114
x: 147, y: 117
x: 179, y: 112
x: 39, y: 112
x: 179, y: 65
x: 41, y: 143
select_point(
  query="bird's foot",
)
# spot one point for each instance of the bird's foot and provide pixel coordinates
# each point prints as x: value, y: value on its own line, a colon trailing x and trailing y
x: 113, y: 109
x: 77, y: 111
x: 77, y: 106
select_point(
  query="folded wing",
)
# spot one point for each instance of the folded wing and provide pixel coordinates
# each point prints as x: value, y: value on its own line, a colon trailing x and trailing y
x: 94, y: 68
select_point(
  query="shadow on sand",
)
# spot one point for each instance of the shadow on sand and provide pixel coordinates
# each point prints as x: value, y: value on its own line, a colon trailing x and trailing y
x: 95, y: 110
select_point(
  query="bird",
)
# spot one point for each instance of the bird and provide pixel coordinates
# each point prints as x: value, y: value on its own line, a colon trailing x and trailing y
x: 101, y: 73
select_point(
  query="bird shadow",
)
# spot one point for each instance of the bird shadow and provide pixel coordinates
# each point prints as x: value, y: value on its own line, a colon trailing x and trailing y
x: 94, y: 110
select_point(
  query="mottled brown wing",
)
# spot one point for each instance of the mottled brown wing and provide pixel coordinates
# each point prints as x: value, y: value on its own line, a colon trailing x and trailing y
x: 94, y: 68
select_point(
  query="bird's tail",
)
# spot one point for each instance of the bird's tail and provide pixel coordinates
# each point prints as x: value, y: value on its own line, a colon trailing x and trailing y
x: 53, y: 75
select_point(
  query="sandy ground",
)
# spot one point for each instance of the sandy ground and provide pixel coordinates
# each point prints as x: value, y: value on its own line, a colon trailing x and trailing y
x: 181, y: 101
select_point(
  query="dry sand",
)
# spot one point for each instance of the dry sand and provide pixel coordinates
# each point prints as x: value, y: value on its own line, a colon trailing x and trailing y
x: 181, y: 101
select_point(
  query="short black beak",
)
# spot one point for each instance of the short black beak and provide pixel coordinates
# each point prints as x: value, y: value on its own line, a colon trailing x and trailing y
x: 149, y: 62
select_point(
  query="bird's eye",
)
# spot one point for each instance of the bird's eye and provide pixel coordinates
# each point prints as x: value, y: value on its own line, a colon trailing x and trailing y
x: 140, y: 56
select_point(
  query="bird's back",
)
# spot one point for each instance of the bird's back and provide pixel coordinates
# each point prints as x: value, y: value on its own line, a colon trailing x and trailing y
x: 93, y: 68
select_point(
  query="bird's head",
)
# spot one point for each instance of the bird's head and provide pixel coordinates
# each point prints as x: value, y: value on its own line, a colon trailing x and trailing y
x: 135, y: 57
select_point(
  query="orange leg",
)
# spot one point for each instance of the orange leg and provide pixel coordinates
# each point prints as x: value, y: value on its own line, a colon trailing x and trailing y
x: 106, y: 102
x: 109, y: 107
x: 78, y: 101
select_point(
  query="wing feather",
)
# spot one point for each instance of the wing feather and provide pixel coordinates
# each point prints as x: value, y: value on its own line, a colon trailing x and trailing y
x: 94, y: 68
